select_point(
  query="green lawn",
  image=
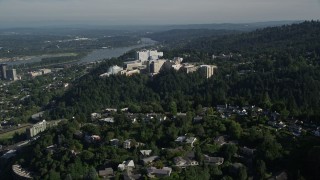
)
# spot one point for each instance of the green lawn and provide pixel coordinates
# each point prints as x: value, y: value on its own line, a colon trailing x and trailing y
x: 10, y: 134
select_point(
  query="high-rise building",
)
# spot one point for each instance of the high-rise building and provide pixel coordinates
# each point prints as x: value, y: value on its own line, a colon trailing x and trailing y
x: 208, y: 70
x: 148, y: 55
x: 12, y: 75
x: 3, y: 71
x: 36, y: 129
x: 156, y: 66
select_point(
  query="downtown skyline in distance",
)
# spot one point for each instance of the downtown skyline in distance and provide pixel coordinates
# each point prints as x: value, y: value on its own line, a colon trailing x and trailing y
x: 15, y: 13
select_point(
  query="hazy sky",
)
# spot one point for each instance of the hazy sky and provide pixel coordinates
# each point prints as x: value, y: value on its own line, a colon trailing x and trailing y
x: 122, y: 12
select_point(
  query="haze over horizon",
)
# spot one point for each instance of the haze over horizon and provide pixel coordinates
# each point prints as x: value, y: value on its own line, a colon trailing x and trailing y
x: 15, y: 13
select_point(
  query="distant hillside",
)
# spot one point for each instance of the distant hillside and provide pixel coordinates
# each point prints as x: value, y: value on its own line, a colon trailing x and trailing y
x: 296, y: 38
x: 235, y: 26
x: 186, y: 35
x: 69, y: 27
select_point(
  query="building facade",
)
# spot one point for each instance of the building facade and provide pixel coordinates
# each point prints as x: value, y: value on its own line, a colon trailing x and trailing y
x: 148, y: 55
x: 156, y: 65
x: 3, y: 71
x: 208, y: 70
x: 12, y: 75
x: 40, y: 127
x: 37, y: 128
x: 132, y: 65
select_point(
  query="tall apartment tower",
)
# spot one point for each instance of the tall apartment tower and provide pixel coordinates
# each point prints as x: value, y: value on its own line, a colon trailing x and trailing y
x: 12, y: 75
x: 208, y: 70
x: 3, y: 71
x: 148, y: 55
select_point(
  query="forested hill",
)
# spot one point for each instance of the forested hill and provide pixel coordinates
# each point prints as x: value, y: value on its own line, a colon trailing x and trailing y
x: 279, y: 70
x: 180, y: 36
x: 294, y: 39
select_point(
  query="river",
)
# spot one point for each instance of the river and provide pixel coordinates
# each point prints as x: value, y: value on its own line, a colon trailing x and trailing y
x: 95, y: 55
x: 114, y: 52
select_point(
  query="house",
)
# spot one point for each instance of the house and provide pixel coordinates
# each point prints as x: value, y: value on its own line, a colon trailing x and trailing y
x: 124, y: 109
x: 159, y: 173
x: 129, y: 164
x: 127, y: 144
x: 187, y: 140
x: 92, y: 138
x: 213, y: 160
x: 121, y: 167
x: 126, y: 165
x: 197, y: 119
x: 179, y: 161
x: 181, y: 139
x: 149, y: 160
x: 220, y: 140
x: 181, y: 114
x: 191, y: 141
x: 107, y: 120
x: 184, y: 162
x: 247, y: 151
x: 95, y: 116
x: 139, y: 144
x: 110, y: 110
x: 192, y: 162
x: 106, y: 173
x: 146, y: 152
x: 114, y: 142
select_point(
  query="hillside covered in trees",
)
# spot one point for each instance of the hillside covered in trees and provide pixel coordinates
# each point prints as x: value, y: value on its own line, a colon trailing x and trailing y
x: 296, y: 39
x: 278, y: 68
